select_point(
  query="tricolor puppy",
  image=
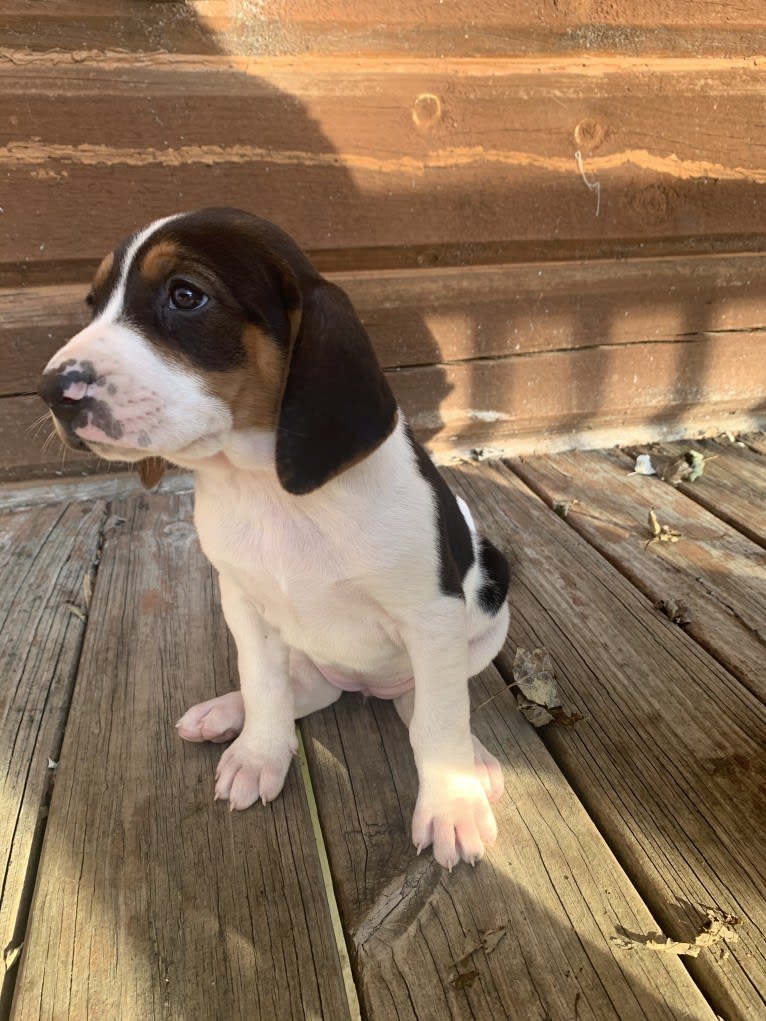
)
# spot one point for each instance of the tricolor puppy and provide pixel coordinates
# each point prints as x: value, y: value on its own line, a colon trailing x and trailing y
x: 345, y: 562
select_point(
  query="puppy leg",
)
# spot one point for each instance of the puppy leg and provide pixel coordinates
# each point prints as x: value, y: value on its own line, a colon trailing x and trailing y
x: 255, y: 765
x: 487, y: 768
x: 221, y: 719
x: 452, y: 810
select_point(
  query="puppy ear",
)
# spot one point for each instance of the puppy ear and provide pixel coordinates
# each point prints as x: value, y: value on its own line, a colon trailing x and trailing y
x: 337, y: 406
x: 150, y: 471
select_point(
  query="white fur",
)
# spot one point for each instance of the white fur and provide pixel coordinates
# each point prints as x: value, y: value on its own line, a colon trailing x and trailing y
x: 338, y: 588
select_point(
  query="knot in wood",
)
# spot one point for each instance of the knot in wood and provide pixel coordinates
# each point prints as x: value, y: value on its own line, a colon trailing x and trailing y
x: 589, y: 135
x: 427, y: 110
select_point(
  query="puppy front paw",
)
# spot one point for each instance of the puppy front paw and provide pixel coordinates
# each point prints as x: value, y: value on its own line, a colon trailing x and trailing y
x: 249, y: 770
x: 454, y: 815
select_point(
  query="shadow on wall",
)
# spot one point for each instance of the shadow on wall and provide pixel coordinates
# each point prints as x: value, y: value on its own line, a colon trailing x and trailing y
x: 381, y: 165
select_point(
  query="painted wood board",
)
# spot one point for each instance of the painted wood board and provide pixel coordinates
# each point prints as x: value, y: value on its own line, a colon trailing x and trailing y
x: 587, y: 397
x: 151, y: 900
x: 429, y: 316
x: 549, y: 892
x: 714, y: 575
x: 669, y: 760
x: 47, y: 558
x: 461, y: 28
x: 388, y: 152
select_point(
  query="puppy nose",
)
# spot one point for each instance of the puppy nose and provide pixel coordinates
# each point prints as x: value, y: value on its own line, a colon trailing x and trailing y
x: 65, y: 392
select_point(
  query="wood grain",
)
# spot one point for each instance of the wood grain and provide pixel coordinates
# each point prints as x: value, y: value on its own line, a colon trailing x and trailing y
x: 584, y: 397
x: 550, y: 885
x: 715, y: 572
x: 46, y: 555
x: 152, y: 901
x: 460, y: 28
x: 669, y: 760
x: 382, y: 153
x: 427, y: 316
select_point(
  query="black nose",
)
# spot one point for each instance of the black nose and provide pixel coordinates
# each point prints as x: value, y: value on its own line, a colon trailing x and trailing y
x: 52, y: 389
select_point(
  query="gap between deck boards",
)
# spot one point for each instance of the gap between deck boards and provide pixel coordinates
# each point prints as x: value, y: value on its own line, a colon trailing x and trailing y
x: 96, y: 487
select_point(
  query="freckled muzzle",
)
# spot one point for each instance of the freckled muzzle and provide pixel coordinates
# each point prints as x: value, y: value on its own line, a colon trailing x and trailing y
x: 70, y: 391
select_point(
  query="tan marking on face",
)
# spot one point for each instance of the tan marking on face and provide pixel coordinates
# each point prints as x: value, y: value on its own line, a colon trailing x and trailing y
x: 159, y: 261
x: 253, y: 390
x: 103, y: 271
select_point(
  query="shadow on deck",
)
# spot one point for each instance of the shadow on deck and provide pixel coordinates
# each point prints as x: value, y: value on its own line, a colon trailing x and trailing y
x: 128, y: 893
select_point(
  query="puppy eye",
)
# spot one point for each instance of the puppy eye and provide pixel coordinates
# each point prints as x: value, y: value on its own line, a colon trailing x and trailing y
x: 186, y: 297
x: 90, y: 299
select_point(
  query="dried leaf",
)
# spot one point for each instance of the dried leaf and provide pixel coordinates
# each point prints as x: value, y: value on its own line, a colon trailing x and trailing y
x: 656, y: 942
x: 563, y: 507
x: 76, y: 610
x: 535, y: 714
x: 677, y: 611
x: 487, y: 453
x: 11, y: 956
x: 687, y: 468
x: 564, y: 719
x: 654, y: 525
x: 464, y: 979
x: 488, y: 940
x: 491, y: 937
x: 534, y: 676
x: 660, y: 533
x: 677, y: 471
x: 697, y: 464
x: 717, y: 928
x: 52, y: 764
x: 644, y: 466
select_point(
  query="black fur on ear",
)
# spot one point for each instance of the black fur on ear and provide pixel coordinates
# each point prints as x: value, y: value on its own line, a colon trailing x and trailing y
x: 337, y: 406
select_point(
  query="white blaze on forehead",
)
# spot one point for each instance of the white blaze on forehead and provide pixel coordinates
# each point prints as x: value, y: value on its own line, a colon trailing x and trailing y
x: 117, y: 298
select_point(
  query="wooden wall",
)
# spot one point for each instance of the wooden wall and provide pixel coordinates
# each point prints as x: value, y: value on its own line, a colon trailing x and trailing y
x: 550, y: 216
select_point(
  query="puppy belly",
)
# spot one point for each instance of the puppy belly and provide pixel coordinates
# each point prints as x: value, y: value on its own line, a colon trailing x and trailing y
x: 346, y: 681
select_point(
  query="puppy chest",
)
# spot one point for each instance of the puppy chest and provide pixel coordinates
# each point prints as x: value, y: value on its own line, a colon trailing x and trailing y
x: 309, y: 587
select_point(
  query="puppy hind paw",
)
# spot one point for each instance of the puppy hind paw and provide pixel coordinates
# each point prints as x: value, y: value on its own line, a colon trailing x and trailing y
x: 218, y: 720
x: 488, y: 770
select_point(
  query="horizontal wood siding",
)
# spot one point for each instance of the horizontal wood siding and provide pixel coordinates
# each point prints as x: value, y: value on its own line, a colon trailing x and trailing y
x: 602, y: 190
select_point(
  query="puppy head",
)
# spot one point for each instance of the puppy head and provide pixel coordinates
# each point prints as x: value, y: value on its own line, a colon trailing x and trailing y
x: 212, y: 322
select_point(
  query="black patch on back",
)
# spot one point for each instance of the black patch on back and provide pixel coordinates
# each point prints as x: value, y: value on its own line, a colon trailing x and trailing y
x: 455, y: 545
x: 497, y: 577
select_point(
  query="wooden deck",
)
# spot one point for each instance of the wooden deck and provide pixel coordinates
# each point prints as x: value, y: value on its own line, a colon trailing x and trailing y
x: 128, y: 894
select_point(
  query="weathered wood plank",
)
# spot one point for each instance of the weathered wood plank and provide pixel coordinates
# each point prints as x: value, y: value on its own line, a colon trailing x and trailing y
x: 670, y: 759
x: 460, y: 28
x: 733, y: 485
x: 586, y: 397
x: 15, y: 495
x: 152, y: 901
x: 47, y: 555
x: 29, y: 447
x: 716, y: 573
x: 424, y: 316
x: 391, y: 143
x: 550, y: 883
